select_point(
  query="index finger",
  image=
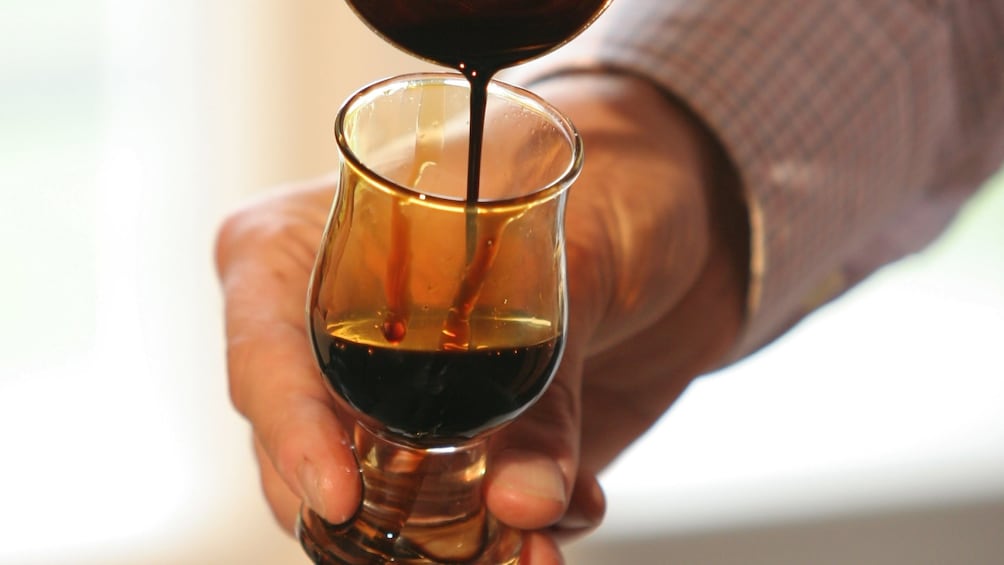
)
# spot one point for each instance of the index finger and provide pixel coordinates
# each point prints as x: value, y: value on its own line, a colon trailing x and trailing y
x: 273, y: 378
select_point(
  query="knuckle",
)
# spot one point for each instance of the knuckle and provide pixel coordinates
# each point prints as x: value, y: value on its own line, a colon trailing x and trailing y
x: 288, y: 236
x: 256, y: 223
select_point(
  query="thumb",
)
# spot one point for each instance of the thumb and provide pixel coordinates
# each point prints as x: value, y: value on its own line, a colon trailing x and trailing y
x: 534, y: 461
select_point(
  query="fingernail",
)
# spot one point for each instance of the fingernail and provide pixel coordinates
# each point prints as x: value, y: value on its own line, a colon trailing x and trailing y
x: 310, y: 487
x: 533, y: 475
x: 586, y: 509
x: 574, y: 521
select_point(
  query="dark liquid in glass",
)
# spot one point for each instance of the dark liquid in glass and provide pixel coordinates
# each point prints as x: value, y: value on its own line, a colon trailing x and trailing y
x: 432, y: 396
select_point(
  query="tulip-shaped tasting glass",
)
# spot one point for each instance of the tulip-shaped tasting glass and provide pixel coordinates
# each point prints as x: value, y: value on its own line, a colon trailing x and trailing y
x: 436, y: 320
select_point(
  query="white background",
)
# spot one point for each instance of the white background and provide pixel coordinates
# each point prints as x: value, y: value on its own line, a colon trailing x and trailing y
x: 872, y: 434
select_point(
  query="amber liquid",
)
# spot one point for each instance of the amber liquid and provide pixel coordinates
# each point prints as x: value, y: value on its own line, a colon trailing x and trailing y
x: 432, y: 396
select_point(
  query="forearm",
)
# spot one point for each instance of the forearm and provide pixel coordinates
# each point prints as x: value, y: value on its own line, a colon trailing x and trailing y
x: 657, y: 254
x: 661, y: 195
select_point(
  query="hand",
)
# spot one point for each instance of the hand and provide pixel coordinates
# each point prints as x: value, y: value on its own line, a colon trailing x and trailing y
x: 656, y: 269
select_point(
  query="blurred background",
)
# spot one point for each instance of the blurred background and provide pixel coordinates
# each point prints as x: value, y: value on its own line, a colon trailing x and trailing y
x: 874, y: 433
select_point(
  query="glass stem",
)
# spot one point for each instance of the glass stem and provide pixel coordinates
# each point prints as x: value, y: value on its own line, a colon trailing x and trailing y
x: 419, y: 506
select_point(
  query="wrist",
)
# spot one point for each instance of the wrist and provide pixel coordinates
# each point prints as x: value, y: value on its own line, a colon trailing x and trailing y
x: 657, y: 213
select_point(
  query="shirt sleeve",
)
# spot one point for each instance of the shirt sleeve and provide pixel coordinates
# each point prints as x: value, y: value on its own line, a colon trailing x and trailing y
x: 858, y: 127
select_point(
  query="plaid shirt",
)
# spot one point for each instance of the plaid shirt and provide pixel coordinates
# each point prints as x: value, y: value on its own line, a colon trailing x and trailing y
x: 859, y: 127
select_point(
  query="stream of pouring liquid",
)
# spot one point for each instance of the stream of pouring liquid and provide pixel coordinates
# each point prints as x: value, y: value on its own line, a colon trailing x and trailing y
x: 478, y: 39
x: 480, y: 250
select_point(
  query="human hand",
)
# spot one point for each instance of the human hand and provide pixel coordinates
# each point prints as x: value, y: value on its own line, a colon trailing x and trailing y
x: 655, y: 290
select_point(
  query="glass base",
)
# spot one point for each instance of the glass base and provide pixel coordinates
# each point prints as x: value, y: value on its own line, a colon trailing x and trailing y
x: 420, y: 506
x: 354, y: 544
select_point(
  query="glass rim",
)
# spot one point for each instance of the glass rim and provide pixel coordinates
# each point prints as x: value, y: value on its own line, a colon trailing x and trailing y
x: 553, y: 188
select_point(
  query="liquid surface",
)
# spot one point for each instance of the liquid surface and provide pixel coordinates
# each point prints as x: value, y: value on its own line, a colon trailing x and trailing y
x: 431, y: 395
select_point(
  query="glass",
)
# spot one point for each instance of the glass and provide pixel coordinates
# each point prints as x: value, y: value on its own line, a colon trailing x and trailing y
x: 436, y: 321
